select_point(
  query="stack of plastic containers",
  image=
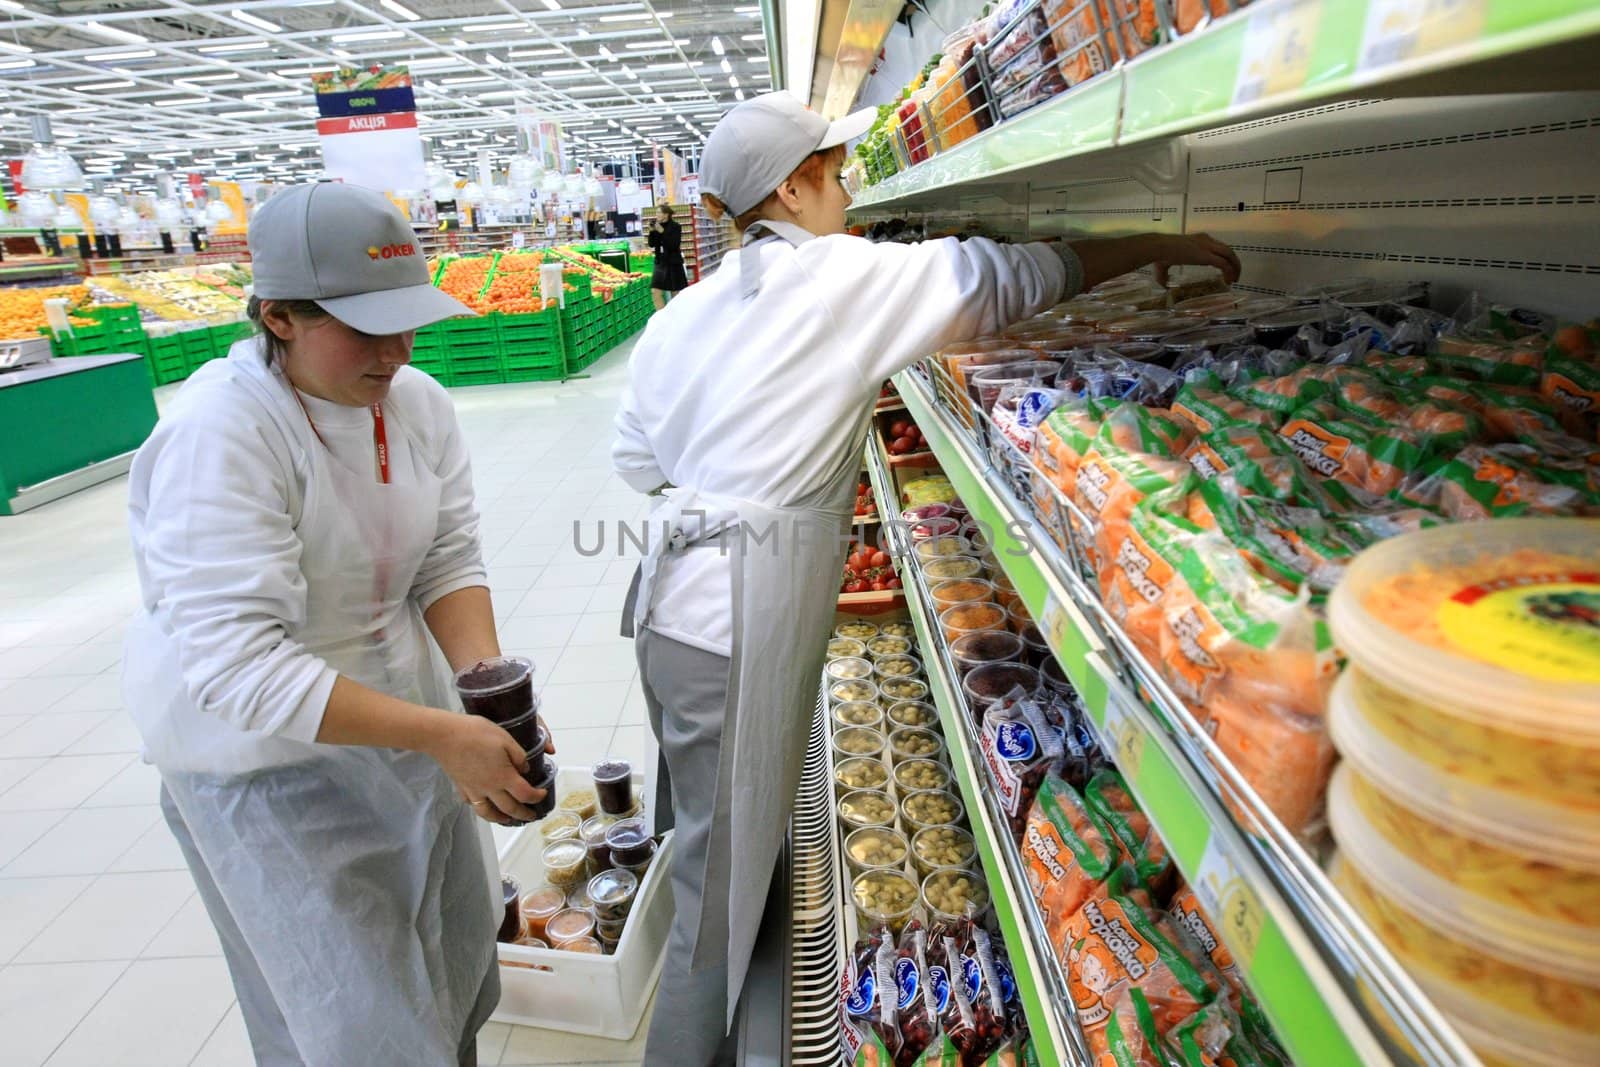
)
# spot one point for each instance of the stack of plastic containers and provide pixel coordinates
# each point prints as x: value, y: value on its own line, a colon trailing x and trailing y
x: 1467, y: 811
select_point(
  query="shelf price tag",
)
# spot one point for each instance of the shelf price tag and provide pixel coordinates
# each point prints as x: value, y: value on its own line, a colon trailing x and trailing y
x: 1398, y: 30
x: 1276, y: 53
x: 1231, y: 902
x: 1123, y: 736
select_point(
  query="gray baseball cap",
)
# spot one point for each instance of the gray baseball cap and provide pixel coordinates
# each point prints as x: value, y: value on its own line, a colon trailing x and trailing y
x: 761, y: 141
x: 350, y: 250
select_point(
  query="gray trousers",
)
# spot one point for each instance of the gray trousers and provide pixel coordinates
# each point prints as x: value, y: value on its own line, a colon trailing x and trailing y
x: 685, y: 692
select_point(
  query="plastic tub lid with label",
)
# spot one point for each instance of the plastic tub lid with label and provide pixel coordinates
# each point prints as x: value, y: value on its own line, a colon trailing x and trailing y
x: 1478, y: 648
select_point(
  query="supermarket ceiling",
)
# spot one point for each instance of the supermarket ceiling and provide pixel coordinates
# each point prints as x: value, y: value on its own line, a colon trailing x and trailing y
x: 224, y: 87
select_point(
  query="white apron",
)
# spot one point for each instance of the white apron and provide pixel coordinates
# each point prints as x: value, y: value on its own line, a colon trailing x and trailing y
x: 786, y: 563
x: 359, y: 879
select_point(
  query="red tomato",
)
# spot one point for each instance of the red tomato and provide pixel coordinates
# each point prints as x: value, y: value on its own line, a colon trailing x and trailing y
x: 880, y: 559
x: 900, y: 427
x: 893, y: 583
x: 855, y: 587
x: 879, y: 586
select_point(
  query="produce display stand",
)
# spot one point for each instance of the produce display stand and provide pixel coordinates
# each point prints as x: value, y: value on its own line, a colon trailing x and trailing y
x: 70, y: 424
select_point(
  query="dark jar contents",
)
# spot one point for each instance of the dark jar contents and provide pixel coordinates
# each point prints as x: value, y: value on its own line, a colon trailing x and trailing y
x: 630, y: 843
x: 613, y: 784
x: 527, y: 731
x: 498, y: 689
x: 541, y: 774
x: 511, y: 921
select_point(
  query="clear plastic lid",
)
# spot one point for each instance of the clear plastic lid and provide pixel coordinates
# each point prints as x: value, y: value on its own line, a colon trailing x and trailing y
x: 1159, y: 327
x: 1288, y: 318
x: 1495, y: 622
x: 1561, y: 950
x: 1506, y: 1035
x: 1253, y: 307
x: 1209, y: 337
x: 1209, y: 304
x: 1311, y: 294
x: 1512, y: 821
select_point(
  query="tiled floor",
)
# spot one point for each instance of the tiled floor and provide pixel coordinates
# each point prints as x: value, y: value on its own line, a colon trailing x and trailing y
x: 106, y: 954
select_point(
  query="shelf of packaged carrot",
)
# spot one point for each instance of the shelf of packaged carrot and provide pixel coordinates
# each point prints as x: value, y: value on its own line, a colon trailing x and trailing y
x: 1296, y: 941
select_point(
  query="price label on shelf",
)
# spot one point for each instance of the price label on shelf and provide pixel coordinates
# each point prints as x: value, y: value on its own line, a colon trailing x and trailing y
x: 1231, y: 903
x: 1398, y: 30
x: 1123, y: 736
x: 1276, y: 54
x: 1057, y: 624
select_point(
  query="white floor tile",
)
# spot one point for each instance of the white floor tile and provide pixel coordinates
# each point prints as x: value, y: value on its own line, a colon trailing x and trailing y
x: 541, y: 603
x: 533, y: 1047
x: 28, y: 905
x: 585, y: 664
x: 20, y: 829
x: 65, y: 780
x: 519, y: 632
x: 568, y: 574
x: 587, y: 705
x: 50, y: 734
x: 100, y: 693
x: 23, y: 661
x: 599, y: 628
x: 159, y: 1013
x: 228, y: 1045
x: 40, y: 1006
x: 138, y: 783
x: 116, y: 734
x: 31, y: 696
x: 608, y: 598
x: 190, y: 933
x: 155, y: 850
x: 86, y: 841
x: 16, y: 769
x: 81, y: 661
x: 581, y: 746
x: 114, y: 919
x: 492, y: 1043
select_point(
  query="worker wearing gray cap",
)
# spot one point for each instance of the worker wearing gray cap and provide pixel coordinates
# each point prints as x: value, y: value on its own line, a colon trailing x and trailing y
x: 303, y: 522
x: 747, y: 407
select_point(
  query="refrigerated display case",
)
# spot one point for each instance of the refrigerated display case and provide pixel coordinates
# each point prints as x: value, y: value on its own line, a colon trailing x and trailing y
x: 1321, y: 141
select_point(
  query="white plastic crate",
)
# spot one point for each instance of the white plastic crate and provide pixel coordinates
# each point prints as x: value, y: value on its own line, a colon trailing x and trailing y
x: 602, y: 996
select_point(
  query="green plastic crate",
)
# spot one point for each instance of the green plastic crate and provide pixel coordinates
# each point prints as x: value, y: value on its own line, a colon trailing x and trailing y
x: 466, y: 331
x: 487, y: 376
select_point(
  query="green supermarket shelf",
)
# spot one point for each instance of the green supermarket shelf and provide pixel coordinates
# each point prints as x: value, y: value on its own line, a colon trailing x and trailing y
x: 1273, y: 56
x: 1009, y: 894
x: 1300, y: 946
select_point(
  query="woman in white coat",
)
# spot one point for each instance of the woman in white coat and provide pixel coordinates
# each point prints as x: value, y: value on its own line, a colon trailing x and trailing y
x: 302, y: 521
x: 748, y: 404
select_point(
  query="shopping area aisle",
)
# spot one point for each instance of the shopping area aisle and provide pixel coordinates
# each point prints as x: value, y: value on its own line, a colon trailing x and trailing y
x: 106, y: 955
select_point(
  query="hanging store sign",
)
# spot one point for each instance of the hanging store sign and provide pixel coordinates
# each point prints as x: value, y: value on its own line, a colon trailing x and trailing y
x: 374, y: 90
x: 382, y: 152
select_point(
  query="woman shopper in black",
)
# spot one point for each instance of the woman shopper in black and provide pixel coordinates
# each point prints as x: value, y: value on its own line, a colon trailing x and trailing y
x: 666, y: 242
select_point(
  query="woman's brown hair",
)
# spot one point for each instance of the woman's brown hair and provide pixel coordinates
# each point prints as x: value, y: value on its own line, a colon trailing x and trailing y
x: 812, y: 170
x: 271, y: 343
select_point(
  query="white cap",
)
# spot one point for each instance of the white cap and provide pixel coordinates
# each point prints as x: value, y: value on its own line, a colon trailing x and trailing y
x: 760, y: 143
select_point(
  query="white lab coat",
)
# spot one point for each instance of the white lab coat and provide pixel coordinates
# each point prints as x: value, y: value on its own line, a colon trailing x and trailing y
x: 215, y: 499
x: 751, y: 395
x: 350, y: 886
x: 761, y: 398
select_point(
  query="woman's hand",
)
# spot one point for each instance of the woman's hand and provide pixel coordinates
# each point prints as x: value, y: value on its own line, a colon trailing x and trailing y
x: 1199, y: 249
x: 486, y: 765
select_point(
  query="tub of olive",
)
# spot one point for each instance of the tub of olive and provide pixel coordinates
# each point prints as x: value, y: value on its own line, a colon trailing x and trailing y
x: 931, y: 807
x: 875, y: 846
x: 852, y: 689
x: 866, y: 807
x: 860, y: 772
x: 888, y: 645
x: 894, y: 690
x: 848, y: 669
x: 933, y: 847
x: 857, y: 713
x: 916, y: 774
x: 899, y: 628
x: 853, y: 741
x: 883, y: 896
x: 912, y: 743
x: 846, y: 648
x: 889, y: 668
x: 856, y: 629
x: 949, y: 893
x: 914, y: 713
